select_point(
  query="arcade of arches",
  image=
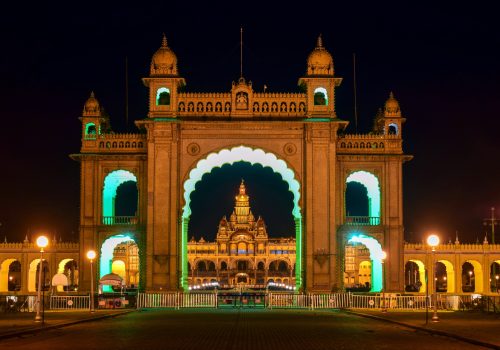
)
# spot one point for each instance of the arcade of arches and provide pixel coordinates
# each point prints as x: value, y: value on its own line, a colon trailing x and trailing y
x: 185, y: 135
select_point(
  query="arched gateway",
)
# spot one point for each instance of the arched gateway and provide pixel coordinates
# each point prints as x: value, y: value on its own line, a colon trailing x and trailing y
x: 298, y: 135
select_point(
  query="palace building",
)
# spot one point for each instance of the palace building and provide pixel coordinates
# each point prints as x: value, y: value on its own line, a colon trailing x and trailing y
x: 337, y: 244
x: 242, y: 254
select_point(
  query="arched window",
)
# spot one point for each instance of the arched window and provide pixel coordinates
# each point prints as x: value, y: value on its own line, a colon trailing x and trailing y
x: 163, y: 97
x: 320, y: 97
x: 366, y: 204
x: 90, y: 129
x: 223, y: 266
x: 392, y: 129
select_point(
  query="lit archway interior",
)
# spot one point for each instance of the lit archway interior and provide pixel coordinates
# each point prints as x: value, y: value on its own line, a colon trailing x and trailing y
x: 4, y: 274
x: 376, y: 259
x: 32, y: 274
x: 111, y: 183
x: 495, y: 276
x: 61, y: 269
x: 371, y: 183
x: 118, y: 267
x: 478, y: 275
x: 162, y: 96
x: 450, y: 276
x: 252, y: 156
x: 107, y: 251
x: 421, y: 274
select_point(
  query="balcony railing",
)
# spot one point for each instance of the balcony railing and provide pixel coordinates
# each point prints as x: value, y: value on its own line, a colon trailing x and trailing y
x: 362, y: 220
x: 119, y: 220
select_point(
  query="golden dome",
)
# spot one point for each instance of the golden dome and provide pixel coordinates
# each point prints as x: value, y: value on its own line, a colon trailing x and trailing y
x: 320, y: 62
x: 91, y: 107
x: 164, y: 61
x: 391, y: 108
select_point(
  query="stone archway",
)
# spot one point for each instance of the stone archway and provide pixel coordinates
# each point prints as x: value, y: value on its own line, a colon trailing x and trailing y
x: 375, y: 249
x: 230, y: 156
x: 4, y: 274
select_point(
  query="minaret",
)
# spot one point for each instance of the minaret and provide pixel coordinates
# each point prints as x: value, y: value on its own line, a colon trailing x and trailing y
x: 94, y: 121
x: 320, y: 82
x: 163, y: 82
x: 392, y: 120
x: 242, y: 205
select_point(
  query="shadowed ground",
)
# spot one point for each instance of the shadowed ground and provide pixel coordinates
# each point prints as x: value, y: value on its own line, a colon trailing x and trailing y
x: 235, y: 329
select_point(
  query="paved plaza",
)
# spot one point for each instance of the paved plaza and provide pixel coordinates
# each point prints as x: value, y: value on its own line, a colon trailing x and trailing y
x: 239, y: 329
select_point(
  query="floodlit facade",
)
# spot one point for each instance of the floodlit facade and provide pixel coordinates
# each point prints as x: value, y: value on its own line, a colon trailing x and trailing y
x: 298, y: 134
x: 242, y: 254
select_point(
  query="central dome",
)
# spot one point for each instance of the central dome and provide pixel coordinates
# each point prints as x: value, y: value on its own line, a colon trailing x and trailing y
x: 164, y: 61
x: 320, y: 62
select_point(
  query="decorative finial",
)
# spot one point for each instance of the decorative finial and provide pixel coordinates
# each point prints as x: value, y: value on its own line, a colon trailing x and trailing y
x: 485, y: 241
x: 319, y: 43
x: 164, y: 41
x: 92, y: 94
x: 456, y: 238
x: 5, y: 239
x: 26, y: 239
x: 391, y: 95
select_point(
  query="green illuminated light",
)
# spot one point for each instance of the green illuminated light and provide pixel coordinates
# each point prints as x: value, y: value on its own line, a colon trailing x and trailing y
x: 371, y: 183
x: 376, y: 259
x: 90, y: 129
x: 111, y: 183
x: 230, y: 156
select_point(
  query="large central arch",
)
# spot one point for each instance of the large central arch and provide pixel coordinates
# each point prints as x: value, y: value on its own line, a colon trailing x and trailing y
x: 252, y: 156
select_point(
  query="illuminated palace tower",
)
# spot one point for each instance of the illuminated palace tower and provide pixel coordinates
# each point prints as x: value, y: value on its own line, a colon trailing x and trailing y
x: 242, y: 253
x: 298, y: 135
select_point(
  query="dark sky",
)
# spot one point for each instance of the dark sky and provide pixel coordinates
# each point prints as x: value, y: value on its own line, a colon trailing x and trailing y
x: 442, y: 62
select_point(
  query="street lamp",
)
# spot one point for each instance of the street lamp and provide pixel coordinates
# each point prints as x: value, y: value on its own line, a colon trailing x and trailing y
x: 433, y: 241
x: 91, y: 256
x: 41, y: 242
x: 383, y: 256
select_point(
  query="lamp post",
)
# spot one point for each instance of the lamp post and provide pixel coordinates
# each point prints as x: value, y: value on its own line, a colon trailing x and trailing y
x: 433, y: 242
x: 41, y: 242
x: 91, y: 256
x: 383, y: 257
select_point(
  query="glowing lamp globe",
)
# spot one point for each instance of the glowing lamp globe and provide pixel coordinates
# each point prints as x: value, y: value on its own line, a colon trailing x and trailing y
x: 42, y: 242
x: 383, y: 256
x: 91, y: 255
x: 433, y: 240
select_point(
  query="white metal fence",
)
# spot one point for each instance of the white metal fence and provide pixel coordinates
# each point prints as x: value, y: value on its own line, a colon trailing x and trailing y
x: 276, y: 300
x: 176, y: 300
x: 70, y: 302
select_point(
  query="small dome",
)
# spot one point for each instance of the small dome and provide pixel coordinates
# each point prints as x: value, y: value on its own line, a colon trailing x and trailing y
x: 320, y: 62
x: 164, y: 61
x: 92, y: 107
x: 391, y: 108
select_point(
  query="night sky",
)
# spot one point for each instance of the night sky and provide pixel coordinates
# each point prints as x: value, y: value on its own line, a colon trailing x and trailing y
x: 443, y: 64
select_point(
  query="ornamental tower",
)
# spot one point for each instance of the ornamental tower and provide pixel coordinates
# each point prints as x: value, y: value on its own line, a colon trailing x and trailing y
x: 163, y: 82
x: 320, y: 82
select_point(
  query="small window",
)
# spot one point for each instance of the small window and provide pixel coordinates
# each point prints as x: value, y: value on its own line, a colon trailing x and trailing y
x: 320, y: 97
x: 90, y: 129
x: 393, y: 129
x: 163, y: 97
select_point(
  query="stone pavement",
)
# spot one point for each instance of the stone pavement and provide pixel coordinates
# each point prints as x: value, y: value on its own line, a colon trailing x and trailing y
x: 473, y: 326
x: 14, y: 324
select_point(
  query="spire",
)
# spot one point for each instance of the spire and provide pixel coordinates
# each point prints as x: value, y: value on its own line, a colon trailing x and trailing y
x: 319, y: 42
x: 164, y: 41
x: 456, y: 238
x: 242, y: 187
